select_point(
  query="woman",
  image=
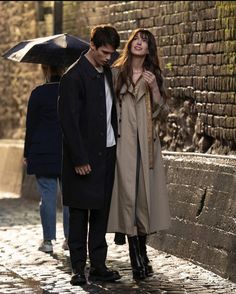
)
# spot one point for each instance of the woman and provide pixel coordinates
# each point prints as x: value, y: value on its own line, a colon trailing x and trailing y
x: 139, y: 203
x: 43, y: 152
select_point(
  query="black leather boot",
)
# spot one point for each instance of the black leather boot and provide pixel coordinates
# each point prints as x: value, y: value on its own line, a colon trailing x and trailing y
x: 136, y: 259
x: 143, y: 251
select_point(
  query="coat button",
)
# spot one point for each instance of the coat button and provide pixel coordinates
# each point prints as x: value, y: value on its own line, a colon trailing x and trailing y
x: 101, y: 113
x: 100, y: 153
x: 101, y: 134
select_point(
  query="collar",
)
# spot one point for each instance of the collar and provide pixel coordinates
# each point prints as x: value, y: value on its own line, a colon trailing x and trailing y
x: 90, y: 69
x: 138, y: 91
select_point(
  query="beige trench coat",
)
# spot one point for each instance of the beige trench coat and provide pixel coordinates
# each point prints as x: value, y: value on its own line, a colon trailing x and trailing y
x: 152, y: 203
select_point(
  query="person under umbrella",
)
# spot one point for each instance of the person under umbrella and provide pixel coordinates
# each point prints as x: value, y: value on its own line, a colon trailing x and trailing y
x: 43, y: 139
x: 43, y: 152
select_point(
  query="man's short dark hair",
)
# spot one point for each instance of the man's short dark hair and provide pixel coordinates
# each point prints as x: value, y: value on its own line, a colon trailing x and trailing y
x: 105, y: 35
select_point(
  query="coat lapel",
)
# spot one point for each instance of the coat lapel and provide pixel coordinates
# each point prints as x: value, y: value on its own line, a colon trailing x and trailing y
x: 138, y: 91
x: 142, y: 89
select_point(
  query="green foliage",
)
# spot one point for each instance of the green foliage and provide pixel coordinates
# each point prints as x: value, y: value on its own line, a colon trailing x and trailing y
x: 169, y: 66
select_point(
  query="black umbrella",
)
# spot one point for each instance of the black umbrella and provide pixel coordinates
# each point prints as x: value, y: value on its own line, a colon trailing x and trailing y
x: 62, y: 50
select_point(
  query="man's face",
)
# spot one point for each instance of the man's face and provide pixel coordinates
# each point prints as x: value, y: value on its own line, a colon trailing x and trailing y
x: 101, y: 55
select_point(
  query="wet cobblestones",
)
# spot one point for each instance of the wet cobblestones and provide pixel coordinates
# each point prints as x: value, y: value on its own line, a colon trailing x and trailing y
x: 24, y: 269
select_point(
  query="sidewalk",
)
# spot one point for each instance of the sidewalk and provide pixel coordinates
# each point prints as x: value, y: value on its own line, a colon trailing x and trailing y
x: 24, y: 269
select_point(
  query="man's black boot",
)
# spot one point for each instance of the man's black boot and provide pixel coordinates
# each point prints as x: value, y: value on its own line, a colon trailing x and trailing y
x: 78, y: 278
x: 103, y: 274
x: 136, y: 259
x: 143, y: 251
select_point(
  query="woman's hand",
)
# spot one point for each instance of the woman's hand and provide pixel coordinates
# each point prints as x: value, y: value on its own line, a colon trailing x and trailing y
x: 150, y: 78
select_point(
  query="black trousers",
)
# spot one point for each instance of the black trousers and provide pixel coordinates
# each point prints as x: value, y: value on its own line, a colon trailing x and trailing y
x: 89, y: 226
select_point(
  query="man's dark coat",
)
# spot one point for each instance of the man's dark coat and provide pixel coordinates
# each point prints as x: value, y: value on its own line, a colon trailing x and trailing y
x: 82, y: 114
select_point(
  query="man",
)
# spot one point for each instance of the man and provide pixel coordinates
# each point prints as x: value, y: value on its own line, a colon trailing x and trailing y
x: 88, y: 118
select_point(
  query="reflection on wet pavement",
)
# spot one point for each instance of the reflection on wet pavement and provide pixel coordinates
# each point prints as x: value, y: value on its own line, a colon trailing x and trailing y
x: 24, y: 269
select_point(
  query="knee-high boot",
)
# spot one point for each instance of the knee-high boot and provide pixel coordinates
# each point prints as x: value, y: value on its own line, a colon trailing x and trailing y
x: 143, y: 252
x: 136, y: 259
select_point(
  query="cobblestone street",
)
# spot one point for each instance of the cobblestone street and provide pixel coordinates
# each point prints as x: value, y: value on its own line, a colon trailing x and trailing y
x: 24, y: 269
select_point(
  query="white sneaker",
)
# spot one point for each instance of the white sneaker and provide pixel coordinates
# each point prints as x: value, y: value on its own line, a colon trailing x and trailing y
x: 46, y: 246
x: 65, y: 245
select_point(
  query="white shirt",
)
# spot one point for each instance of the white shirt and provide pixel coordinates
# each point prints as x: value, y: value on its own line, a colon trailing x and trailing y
x: 110, y: 133
x: 111, y: 141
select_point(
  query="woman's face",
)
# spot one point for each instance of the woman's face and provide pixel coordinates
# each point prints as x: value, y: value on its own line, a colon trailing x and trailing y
x: 139, y: 45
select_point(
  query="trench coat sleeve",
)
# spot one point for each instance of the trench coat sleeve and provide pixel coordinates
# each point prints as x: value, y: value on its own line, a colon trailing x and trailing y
x: 69, y: 107
x: 32, y: 119
x: 158, y: 104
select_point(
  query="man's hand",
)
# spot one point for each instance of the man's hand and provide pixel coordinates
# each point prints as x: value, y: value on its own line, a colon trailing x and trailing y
x: 83, y: 169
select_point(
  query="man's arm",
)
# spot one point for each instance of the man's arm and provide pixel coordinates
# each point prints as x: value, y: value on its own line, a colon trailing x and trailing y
x: 69, y: 108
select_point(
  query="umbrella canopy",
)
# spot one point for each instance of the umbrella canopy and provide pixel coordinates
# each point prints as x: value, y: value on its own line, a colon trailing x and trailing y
x: 61, y: 50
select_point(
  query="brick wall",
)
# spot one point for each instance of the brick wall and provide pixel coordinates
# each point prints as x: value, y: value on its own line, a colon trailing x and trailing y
x: 202, y: 193
x: 17, y: 22
x: 196, y: 43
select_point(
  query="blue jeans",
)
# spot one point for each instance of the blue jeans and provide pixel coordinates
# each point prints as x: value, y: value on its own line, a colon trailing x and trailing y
x: 48, y: 188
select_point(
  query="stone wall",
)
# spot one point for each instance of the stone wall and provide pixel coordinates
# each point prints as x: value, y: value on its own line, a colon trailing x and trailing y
x: 11, y: 166
x: 196, y: 43
x: 202, y: 194
x: 17, y: 23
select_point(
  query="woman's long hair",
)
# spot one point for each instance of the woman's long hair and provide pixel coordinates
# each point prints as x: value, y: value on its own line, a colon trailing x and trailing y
x: 52, y: 70
x: 151, y: 62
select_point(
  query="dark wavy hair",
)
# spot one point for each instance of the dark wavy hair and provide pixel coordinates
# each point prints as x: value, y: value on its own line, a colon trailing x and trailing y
x: 151, y: 62
x: 103, y: 35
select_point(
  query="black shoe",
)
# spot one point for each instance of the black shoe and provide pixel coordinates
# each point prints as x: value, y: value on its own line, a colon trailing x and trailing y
x: 78, y: 279
x: 103, y: 274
